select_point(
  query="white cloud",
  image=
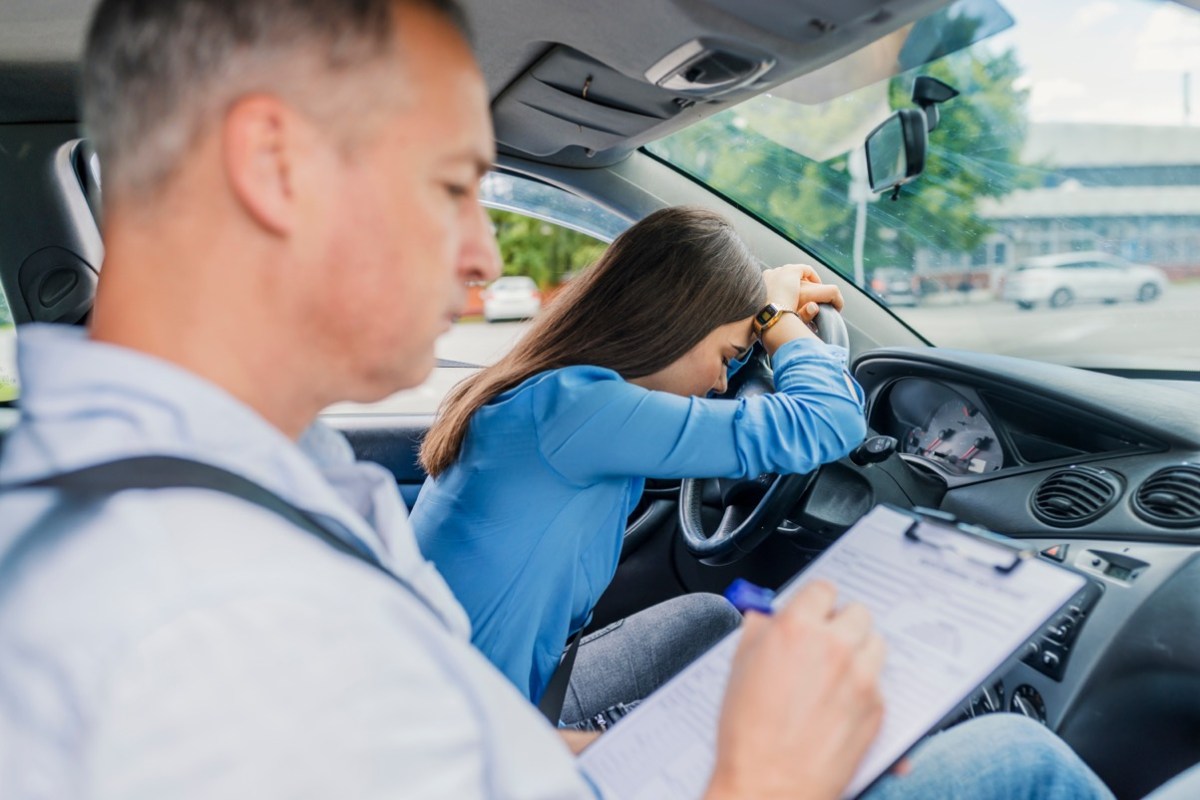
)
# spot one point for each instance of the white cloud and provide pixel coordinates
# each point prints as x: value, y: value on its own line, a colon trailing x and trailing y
x: 1092, y: 14
x: 1047, y: 95
x: 1169, y: 41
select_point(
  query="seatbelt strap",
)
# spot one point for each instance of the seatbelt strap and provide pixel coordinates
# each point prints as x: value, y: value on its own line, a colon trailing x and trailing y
x: 551, y: 704
x: 171, y: 472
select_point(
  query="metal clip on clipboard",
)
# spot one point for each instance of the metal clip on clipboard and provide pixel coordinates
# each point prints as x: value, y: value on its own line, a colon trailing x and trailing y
x: 1008, y: 556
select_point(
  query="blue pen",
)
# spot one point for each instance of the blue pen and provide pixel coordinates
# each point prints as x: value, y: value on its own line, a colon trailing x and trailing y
x: 746, y: 596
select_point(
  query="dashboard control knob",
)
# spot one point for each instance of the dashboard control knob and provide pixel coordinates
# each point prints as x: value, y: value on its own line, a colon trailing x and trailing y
x: 988, y: 700
x: 874, y: 450
x: 1027, y: 701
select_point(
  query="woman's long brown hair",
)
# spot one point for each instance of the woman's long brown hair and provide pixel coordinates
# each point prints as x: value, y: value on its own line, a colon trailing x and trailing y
x: 657, y: 291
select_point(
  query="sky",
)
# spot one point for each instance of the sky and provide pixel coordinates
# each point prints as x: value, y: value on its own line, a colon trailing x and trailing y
x: 1112, y: 61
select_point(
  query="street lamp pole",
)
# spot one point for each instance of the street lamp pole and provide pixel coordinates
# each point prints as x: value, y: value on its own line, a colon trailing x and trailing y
x: 859, y: 194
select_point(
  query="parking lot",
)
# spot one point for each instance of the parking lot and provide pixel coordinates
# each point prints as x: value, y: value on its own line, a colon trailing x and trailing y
x: 1167, y: 329
x: 472, y: 342
x: 1164, y: 331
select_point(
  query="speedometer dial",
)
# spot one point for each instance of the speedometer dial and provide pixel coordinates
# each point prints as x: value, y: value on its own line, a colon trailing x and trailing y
x: 959, y: 438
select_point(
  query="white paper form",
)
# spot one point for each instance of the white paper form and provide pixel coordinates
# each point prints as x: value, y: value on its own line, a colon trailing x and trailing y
x: 950, y: 620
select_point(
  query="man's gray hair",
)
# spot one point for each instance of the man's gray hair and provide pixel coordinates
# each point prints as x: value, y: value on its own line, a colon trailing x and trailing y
x: 156, y: 72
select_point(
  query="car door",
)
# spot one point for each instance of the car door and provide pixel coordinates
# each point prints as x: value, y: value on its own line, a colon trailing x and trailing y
x: 1087, y: 280
x: 1110, y: 281
x: 1127, y: 282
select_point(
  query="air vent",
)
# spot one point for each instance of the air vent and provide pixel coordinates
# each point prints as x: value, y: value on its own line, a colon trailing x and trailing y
x: 1170, y: 497
x: 1075, y: 496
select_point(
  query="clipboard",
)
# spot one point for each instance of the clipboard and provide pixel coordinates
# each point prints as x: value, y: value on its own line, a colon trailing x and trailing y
x: 955, y: 603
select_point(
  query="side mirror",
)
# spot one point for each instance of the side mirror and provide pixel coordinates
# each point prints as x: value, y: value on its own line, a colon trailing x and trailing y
x: 896, y: 150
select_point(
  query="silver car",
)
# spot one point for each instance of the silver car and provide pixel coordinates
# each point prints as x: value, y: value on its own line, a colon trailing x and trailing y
x: 895, y: 287
x: 511, y: 297
x: 1064, y: 278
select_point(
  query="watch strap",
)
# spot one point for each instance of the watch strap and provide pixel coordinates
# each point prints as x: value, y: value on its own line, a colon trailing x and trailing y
x: 770, y: 314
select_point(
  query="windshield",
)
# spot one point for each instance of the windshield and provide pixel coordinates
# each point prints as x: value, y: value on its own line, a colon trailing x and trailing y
x: 1058, y: 215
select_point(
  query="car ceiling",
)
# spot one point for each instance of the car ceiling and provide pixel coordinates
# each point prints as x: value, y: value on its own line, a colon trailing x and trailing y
x: 537, y: 56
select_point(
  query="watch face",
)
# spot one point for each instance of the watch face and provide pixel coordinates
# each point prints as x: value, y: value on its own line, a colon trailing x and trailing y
x: 767, y: 313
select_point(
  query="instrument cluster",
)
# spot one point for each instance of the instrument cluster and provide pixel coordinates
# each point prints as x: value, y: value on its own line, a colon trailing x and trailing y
x: 942, y: 426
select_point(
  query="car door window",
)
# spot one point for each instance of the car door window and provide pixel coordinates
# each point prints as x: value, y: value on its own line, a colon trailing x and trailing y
x: 546, y: 238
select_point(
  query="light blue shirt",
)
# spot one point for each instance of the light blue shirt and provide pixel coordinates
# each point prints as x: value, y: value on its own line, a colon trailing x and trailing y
x: 185, y: 644
x: 527, y: 525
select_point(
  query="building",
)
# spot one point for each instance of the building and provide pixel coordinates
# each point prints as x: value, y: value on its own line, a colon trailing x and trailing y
x: 1130, y: 190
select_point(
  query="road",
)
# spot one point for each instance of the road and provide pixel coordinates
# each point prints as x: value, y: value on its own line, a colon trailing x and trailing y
x: 478, y: 343
x: 1167, y: 330
x: 1163, y: 333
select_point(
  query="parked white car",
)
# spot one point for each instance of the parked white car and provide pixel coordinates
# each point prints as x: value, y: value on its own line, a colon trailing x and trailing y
x: 511, y: 297
x: 893, y: 286
x: 1064, y: 278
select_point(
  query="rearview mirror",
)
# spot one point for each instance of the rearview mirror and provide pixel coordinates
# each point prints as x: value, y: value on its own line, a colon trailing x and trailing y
x: 896, y: 150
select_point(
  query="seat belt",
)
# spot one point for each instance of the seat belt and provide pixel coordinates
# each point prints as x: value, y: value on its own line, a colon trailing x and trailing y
x: 171, y: 472
x: 551, y: 704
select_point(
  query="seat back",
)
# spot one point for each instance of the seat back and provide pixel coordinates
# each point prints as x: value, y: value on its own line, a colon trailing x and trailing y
x: 50, y: 246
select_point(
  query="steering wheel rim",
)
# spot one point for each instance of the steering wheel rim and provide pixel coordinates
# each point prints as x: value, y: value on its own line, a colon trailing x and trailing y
x: 831, y: 327
x: 754, y: 507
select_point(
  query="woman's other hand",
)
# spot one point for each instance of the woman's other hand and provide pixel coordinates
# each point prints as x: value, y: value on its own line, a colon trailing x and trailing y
x: 798, y: 287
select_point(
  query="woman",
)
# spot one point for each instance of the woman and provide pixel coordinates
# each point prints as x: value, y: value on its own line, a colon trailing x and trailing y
x: 536, y: 461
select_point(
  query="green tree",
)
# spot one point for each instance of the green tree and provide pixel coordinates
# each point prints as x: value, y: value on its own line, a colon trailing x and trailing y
x: 974, y: 154
x: 8, y: 382
x: 546, y: 252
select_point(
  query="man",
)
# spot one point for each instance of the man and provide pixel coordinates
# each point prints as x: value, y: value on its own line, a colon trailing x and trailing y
x: 291, y: 213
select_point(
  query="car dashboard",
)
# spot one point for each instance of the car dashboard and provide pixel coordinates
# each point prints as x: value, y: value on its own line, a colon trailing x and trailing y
x: 1101, y: 474
x: 1036, y: 449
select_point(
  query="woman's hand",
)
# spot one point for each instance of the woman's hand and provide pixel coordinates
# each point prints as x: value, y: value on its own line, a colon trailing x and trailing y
x: 798, y: 287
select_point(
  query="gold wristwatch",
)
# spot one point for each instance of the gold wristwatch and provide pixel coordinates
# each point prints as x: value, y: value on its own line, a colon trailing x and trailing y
x: 766, y: 318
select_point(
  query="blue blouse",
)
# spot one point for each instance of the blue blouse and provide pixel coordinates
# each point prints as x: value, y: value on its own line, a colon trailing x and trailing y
x: 527, y: 525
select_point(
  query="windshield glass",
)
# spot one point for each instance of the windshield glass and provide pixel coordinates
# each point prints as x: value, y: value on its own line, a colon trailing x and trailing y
x: 1058, y: 214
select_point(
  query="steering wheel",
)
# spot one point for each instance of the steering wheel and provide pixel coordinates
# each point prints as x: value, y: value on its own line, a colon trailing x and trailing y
x: 752, y: 507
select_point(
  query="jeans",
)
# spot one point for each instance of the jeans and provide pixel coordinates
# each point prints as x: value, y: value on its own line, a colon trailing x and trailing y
x: 626, y: 661
x: 995, y: 757
x: 1185, y: 786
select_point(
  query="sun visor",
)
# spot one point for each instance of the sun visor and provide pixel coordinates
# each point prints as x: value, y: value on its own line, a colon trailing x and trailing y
x: 598, y: 92
x: 568, y: 99
x: 958, y: 26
